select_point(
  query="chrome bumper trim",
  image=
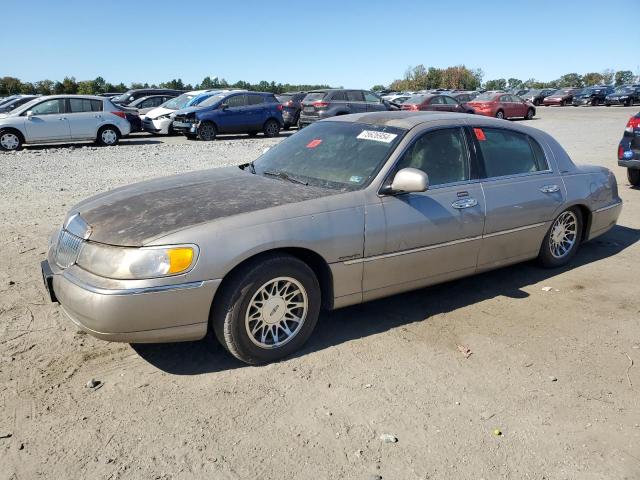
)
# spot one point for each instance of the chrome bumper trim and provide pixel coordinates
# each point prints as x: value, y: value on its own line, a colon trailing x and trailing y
x: 607, y: 207
x: 130, y: 291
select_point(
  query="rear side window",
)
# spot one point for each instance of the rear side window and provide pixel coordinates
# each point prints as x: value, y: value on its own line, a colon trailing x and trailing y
x: 509, y: 153
x: 255, y: 99
x: 441, y: 154
x: 236, y: 101
x: 340, y: 96
x: 355, y: 96
x: 79, y: 105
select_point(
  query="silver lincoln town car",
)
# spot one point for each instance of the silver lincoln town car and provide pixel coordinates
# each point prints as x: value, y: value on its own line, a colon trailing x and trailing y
x: 347, y: 210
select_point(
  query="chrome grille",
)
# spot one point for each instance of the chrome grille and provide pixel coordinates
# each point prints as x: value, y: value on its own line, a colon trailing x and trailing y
x: 67, y: 249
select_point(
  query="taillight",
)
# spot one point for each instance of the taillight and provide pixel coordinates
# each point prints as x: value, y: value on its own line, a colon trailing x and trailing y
x: 620, y: 152
x: 280, y: 107
x: 320, y: 104
x: 634, y: 122
x: 289, y: 103
x: 120, y: 114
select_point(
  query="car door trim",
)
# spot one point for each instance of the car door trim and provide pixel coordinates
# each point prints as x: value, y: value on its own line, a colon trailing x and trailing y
x: 445, y: 244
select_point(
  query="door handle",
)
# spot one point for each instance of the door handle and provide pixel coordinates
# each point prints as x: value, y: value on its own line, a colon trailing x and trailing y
x: 465, y: 203
x: 62, y: 118
x: 549, y: 189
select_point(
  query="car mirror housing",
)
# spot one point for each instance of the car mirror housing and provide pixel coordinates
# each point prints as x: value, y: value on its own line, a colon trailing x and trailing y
x: 409, y: 180
x: 29, y: 114
x: 224, y: 106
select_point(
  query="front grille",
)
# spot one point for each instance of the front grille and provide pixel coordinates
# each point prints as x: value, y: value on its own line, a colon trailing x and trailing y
x: 67, y: 249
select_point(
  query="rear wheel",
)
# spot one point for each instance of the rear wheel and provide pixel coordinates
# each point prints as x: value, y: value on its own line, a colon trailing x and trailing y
x: 267, y: 309
x: 633, y: 174
x: 207, y: 131
x: 108, y: 136
x: 10, y: 140
x: 561, y: 241
x: 563, y: 103
x: 530, y: 114
x: 271, y: 128
x: 628, y: 103
x: 499, y: 114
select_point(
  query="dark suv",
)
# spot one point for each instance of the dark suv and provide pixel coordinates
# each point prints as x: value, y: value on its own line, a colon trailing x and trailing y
x: 591, y: 96
x: 231, y: 112
x: 292, y: 105
x: 130, y: 95
x: 321, y: 104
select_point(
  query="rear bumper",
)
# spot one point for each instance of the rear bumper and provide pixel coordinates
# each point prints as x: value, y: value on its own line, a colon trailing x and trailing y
x: 169, y: 313
x: 307, y: 120
x: 629, y: 163
x: 603, y: 219
x: 549, y: 103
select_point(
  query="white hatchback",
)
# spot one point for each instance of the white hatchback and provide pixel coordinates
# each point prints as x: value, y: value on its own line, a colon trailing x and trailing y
x: 63, y: 118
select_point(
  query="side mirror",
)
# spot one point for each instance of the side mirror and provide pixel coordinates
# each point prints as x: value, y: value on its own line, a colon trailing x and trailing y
x: 409, y: 180
x: 224, y: 106
x: 29, y: 115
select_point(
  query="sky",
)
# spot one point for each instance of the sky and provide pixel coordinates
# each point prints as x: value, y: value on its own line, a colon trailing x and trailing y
x: 354, y: 44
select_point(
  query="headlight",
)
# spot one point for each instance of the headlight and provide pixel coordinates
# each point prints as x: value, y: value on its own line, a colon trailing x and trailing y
x: 126, y: 263
x: 164, y: 117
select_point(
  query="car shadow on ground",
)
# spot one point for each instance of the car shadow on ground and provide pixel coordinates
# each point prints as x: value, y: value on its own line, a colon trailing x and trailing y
x: 125, y: 142
x: 347, y: 324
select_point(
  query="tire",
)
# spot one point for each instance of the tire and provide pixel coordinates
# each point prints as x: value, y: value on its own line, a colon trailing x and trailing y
x: 271, y: 128
x: 536, y: 102
x: 563, y: 103
x: 530, y: 114
x: 286, y: 126
x: 500, y: 114
x: 594, y: 102
x: 633, y: 174
x: 253, y: 134
x: 239, y: 322
x: 556, y: 252
x: 628, y: 103
x: 10, y: 140
x: 191, y: 136
x: 207, y: 131
x: 108, y: 136
x: 607, y: 104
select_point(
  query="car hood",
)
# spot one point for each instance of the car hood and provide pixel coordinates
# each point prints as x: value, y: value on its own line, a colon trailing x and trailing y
x: 138, y: 213
x: 184, y: 111
x: 158, y: 111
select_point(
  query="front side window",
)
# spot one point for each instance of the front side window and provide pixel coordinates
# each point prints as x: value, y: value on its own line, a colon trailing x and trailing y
x: 337, y: 155
x: 509, y: 153
x: 49, y: 107
x: 235, y: 101
x: 441, y: 154
x: 437, y: 101
x: 371, y: 98
x: 450, y: 101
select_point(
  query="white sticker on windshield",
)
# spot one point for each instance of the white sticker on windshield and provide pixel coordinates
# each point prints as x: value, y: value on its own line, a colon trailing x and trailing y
x: 377, y: 136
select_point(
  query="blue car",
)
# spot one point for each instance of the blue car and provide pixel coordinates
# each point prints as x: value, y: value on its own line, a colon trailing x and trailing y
x: 231, y: 112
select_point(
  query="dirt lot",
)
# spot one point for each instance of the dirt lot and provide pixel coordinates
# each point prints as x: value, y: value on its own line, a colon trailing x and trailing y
x: 549, y: 369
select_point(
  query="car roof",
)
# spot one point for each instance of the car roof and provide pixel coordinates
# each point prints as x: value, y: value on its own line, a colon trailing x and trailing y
x: 69, y: 95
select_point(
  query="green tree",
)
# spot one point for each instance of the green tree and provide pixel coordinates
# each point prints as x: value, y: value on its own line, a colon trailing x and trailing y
x: 607, y: 76
x: 175, y: 84
x: 69, y: 85
x: 44, y: 87
x: 377, y: 88
x: 27, y: 88
x: 498, y: 84
x: 10, y: 85
x: 623, y: 77
x: 86, y: 87
x: 514, y: 83
x: 592, y: 78
x: 570, y: 80
x: 207, y: 83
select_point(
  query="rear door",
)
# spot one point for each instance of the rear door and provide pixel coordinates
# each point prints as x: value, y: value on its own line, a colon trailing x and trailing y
x: 48, y: 121
x: 256, y: 112
x: 84, y: 117
x: 522, y: 193
x: 355, y: 101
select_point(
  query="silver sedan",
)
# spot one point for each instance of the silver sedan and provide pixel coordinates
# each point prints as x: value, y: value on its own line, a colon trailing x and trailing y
x: 345, y: 211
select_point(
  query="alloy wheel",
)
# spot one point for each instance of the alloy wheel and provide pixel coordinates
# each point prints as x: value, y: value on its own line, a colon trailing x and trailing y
x: 564, y: 233
x: 276, y: 312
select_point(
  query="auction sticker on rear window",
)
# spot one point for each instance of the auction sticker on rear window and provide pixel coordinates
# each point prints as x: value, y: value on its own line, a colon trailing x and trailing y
x: 377, y: 136
x: 479, y: 134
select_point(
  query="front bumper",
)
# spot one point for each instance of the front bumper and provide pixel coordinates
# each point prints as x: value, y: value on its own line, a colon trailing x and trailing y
x: 162, y: 313
x: 583, y: 101
x: 185, y: 127
x: 615, y: 101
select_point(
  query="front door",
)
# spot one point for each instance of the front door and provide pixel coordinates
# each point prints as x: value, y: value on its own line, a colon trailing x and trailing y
x: 231, y: 119
x: 522, y: 194
x: 47, y: 122
x: 355, y: 98
x: 414, y: 239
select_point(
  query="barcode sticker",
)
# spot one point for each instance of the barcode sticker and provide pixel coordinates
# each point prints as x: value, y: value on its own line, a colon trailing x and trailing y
x: 377, y: 136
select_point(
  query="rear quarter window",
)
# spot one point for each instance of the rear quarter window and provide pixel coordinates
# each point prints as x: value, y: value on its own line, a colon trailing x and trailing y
x: 505, y: 152
x: 340, y: 96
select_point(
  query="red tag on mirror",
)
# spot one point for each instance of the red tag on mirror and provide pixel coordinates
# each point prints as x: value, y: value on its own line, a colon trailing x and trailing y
x: 314, y: 143
x: 479, y: 134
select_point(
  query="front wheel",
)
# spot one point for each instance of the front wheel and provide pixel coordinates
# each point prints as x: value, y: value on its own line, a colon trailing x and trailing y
x: 561, y: 241
x: 628, y: 103
x: 108, y: 136
x: 267, y: 309
x: 633, y: 174
x: 530, y: 114
x: 207, y: 131
x: 10, y: 141
x: 271, y: 128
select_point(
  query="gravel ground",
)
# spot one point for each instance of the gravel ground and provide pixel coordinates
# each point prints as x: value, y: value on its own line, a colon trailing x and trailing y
x: 550, y: 368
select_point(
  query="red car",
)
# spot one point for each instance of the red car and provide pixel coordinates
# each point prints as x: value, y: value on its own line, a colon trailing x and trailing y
x: 502, y: 105
x: 561, y: 97
x: 434, y: 103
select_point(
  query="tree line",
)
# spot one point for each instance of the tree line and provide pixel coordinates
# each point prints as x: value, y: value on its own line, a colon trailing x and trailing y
x: 463, y: 78
x: 69, y: 85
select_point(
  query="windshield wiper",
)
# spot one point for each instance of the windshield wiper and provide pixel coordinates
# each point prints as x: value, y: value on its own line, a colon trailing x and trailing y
x: 284, y: 176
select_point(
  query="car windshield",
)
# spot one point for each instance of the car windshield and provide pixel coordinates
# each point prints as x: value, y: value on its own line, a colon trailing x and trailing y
x: 25, y: 106
x: 284, y: 98
x: 178, y: 102
x: 560, y: 92
x: 415, y: 100
x: 532, y: 93
x: 197, y: 100
x: 121, y: 98
x: 623, y: 90
x: 315, y: 96
x: 337, y: 155
x: 212, y: 100
x: 485, y: 97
